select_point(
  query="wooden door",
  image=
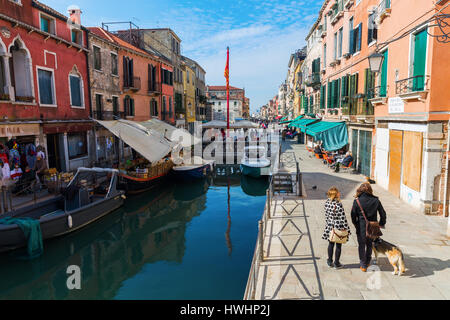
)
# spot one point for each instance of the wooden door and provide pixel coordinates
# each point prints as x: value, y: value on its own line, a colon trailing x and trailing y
x: 395, y: 161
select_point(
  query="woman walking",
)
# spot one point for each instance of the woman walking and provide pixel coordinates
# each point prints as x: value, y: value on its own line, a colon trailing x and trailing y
x: 335, y: 220
x: 366, y: 201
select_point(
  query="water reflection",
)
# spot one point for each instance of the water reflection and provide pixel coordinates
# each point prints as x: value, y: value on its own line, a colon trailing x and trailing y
x: 150, y: 228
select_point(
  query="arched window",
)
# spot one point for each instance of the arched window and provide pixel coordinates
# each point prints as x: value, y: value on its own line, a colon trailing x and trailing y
x: 21, y: 71
x: 76, y: 88
x: 4, y: 86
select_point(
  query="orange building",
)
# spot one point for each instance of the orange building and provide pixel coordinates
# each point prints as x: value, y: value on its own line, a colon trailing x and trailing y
x: 397, y: 117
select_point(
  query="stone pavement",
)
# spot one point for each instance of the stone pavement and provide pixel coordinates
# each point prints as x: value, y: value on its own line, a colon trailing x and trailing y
x: 295, y: 255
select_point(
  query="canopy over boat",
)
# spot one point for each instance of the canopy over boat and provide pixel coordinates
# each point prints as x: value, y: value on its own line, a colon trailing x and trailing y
x: 149, y: 143
x: 171, y: 133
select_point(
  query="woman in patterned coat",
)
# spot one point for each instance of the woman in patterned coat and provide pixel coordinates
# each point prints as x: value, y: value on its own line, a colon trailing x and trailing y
x: 334, y: 218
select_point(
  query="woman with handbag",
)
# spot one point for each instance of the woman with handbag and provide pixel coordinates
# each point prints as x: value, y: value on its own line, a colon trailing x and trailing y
x: 337, y: 230
x: 365, y: 219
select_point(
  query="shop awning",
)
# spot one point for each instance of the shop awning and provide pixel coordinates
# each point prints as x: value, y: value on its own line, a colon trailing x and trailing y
x: 171, y: 133
x: 302, y: 123
x: 290, y: 121
x: 334, y: 135
x: 283, y: 119
x: 149, y: 143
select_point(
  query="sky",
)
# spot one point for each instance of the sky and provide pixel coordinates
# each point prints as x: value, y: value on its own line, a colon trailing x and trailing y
x: 261, y: 34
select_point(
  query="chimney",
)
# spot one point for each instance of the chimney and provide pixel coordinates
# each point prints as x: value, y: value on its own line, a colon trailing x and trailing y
x: 75, y: 14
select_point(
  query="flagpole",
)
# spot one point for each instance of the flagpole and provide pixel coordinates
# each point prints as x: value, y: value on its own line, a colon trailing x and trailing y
x: 228, y: 90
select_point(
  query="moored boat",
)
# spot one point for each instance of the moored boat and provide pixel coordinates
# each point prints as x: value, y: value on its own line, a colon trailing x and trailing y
x: 254, y: 163
x: 199, y: 169
x: 91, y: 195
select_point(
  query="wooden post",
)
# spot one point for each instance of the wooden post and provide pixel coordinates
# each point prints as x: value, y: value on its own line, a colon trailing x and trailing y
x: 261, y: 240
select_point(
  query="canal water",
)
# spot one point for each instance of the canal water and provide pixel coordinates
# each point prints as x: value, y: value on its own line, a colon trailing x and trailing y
x: 182, y: 241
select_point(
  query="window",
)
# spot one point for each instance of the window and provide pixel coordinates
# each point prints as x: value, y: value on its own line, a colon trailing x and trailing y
x: 114, y: 64
x: 372, y: 29
x: 115, y: 103
x: 170, y: 107
x: 128, y: 72
x: 129, y: 106
x: 335, y: 45
x: 20, y: 72
x: 341, y: 31
x: 174, y: 49
x: 356, y: 39
x: 99, y: 106
x: 97, y: 59
x: 47, y: 24
x: 77, y: 36
x: 350, y: 35
x: 153, y: 108
x: 76, y: 91
x: 419, y: 52
x: 163, y: 108
x: 383, y: 75
x: 46, y: 87
x: 167, y: 77
x: 77, y: 145
x: 324, y: 56
x: 151, y: 78
x: 187, y: 76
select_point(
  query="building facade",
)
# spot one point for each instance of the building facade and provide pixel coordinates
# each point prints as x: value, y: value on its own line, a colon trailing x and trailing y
x: 44, y: 97
x: 217, y: 98
x: 189, y: 96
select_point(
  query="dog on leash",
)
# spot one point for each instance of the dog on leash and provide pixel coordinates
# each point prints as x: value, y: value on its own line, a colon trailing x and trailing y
x: 393, y: 253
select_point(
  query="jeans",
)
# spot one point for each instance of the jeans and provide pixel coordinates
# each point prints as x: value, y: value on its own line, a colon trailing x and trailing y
x: 364, y: 247
x: 337, y: 253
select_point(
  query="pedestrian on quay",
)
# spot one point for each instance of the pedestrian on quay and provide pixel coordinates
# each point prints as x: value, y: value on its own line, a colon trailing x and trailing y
x: 337, y: 229
x: 365, y: 207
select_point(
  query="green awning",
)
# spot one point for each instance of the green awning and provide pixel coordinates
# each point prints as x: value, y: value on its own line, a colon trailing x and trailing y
x: 289, y: 121
x: 302, y: 123
x: 334, y: 135
x: 311, y: 115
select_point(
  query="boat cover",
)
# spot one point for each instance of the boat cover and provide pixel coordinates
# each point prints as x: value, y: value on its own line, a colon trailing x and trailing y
x: 32, y: 231
x: 333, y: 134
x: 173, y: 134
x: 149, y: 143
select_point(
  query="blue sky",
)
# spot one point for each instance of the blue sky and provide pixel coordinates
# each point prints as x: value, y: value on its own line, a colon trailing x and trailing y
x: 261, y: 34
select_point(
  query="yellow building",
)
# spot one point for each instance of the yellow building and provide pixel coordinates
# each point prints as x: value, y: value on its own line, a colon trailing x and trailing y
x: 189, y: 96
x: 297, y: 87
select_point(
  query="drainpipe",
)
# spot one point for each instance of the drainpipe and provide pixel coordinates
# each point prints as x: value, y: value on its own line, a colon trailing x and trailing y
x: 445, y: 211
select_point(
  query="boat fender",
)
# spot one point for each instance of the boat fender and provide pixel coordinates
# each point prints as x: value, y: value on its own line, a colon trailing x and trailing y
x: 69, y: 222
x: 124, y: 197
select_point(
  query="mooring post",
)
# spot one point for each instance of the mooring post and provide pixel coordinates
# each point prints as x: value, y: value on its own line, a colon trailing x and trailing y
x: 261, y: 241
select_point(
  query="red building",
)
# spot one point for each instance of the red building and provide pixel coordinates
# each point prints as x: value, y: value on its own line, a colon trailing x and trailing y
x: 44, y: 87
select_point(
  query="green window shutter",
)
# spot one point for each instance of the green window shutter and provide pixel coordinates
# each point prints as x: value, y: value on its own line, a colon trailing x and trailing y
x: 338, y: 93
x: 383, y: 84
x: 420, y: 51
x: 329, y: 95
x: 366, y: 81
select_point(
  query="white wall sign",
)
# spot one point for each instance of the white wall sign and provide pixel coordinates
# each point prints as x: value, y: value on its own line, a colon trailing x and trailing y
x: 396, y: 105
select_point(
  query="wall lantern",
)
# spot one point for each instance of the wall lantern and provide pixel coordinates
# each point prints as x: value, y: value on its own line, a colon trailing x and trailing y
x: 376, y: 61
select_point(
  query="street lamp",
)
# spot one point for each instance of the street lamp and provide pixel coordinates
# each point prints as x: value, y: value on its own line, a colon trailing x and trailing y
x: 376, y: 61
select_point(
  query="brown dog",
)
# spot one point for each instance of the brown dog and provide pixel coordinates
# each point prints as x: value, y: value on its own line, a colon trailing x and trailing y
x: 393, y: 253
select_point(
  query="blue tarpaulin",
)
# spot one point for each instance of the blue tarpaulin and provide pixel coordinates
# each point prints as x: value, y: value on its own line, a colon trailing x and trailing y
x: 334, y: 135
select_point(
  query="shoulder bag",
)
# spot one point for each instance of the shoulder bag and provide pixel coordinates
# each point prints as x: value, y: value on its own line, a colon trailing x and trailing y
x: 338, y: 236
x: 373, y: 230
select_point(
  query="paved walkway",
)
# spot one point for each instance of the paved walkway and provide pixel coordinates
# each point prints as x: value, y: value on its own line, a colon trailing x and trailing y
x: 295, y: 255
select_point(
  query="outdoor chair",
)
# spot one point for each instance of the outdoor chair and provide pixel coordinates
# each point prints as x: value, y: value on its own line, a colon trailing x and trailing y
x: 348, y: 168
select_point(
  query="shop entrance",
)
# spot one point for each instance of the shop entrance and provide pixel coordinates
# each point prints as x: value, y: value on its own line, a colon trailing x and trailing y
x: 56, y: 156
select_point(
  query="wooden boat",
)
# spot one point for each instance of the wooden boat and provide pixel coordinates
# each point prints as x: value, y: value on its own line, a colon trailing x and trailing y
x: 142, y: 180
x: 254, y: 163
x: 199, y: 169
x: 91, y: 195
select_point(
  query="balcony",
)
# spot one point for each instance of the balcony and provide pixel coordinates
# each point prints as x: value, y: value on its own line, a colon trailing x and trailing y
x: 313, y: 80
x: 323, y: 30
x: 377, y: 95
x: 358, y: 109
x: 338, y: 11
x: 412, y: 88
x: 348, y: 3
x: 383, y: 11
x: 135, y: 85
x: 108, y: 115
x: 154, y: 88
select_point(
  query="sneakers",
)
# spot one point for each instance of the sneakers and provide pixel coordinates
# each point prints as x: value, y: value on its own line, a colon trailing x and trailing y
x: 337, y: 265
x: 330, y: 263
x: 363, y: 269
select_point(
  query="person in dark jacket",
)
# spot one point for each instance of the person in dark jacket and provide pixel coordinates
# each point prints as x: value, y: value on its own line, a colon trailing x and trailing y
x: 371, y: 206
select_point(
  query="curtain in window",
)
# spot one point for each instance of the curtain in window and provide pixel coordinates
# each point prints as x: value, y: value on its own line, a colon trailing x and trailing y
x: 77, y: 143
x: 45, y: 87
x: 75, y: 91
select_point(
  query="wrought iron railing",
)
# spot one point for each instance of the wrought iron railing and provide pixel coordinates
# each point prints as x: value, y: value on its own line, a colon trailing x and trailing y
x: 358, y: 107
x: 154, y: 87
x: 134, y: 85
x: 313, y: 79
x: 412, y: 84
x: 337, y: 9
x: 377, y: 92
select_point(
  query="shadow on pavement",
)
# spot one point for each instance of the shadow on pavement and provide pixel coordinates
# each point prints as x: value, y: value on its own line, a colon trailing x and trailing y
x: 317, y: 185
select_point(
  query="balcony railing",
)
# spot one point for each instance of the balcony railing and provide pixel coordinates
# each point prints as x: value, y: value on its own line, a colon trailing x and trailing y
x: 135, y: 85
x: 357, y: 107
x: 338, y: 11
x: 154, y: 87
x: 383, y: 10
x: 377, y: 92
x: 108, y: 115
x: 313, y: 79
x: 409, y: 85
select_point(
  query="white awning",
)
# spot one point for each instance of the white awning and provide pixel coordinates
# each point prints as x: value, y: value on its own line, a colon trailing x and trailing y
x: 148, y: 143
x: 171, y: 133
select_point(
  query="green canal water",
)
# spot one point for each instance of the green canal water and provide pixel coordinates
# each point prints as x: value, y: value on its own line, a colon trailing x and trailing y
x: 177, y: 242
